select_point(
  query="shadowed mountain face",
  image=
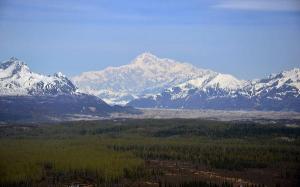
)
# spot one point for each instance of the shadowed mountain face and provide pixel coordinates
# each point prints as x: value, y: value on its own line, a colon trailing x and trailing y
x: 25, y: 95
x: 47, y: 107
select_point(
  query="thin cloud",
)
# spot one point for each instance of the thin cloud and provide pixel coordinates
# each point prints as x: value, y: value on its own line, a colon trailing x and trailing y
x: 260, y: 5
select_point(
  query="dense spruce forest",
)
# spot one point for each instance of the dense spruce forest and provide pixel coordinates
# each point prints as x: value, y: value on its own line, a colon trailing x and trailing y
x: 150, y: 152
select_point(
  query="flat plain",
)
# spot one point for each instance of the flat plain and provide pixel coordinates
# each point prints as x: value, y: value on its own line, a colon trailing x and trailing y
x: 151, y: 152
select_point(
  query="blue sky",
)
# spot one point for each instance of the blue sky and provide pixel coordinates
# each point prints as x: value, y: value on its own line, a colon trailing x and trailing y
x: 246, y: 38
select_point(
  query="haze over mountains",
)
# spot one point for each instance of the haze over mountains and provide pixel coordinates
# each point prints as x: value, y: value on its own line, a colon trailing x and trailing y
x: 147, y: 82
x: 152, y: 82
x: 145, y: 75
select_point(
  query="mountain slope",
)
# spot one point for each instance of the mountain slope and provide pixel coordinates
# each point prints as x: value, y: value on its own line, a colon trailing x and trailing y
x: 147, y: 74
x: 25, y: 95
x: 150, y: 81
x: 277, y: 92
x: 17, y: 79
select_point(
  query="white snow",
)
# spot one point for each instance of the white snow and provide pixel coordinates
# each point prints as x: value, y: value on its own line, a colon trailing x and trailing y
x: 276, y: 81
x: 148, y: 75
x: 145, y: 75
x: 227, y: 82
x: 17, y: 79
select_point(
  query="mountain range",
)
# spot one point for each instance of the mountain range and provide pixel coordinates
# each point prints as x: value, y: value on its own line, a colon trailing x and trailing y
x: 152, y: 82
x: 147, y: 82
x: 146, y: 75
x: 28, y: 95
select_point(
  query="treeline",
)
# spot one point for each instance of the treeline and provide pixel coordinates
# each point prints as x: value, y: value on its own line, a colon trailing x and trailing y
x: 155, y: 128
x: 196, y: 127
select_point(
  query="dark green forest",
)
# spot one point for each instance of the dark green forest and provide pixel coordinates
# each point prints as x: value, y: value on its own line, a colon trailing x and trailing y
x: 150, y: 152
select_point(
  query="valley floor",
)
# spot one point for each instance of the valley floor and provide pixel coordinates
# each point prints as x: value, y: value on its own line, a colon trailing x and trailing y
x: 221, y: 115
x: 151, y: 152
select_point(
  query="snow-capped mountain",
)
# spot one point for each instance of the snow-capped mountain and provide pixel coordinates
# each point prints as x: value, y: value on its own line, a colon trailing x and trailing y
x: 278, y: 86
x: 25, y: 95
x: 17, y: 79
x: 150, y: 81
x: 146, y: 75
x: 277, y: 92
x: 223, y: 83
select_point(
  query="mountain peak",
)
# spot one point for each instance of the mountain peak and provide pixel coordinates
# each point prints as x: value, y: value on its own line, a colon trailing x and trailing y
x: 147, y: 55
x: 14, y: 65
x: 17, y: 79
x: 146, y: 74
x: 59, y: 74
x: 13, y: 59
x: 292, y: 71
x: 287, y: 74
x: 145, y: 58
